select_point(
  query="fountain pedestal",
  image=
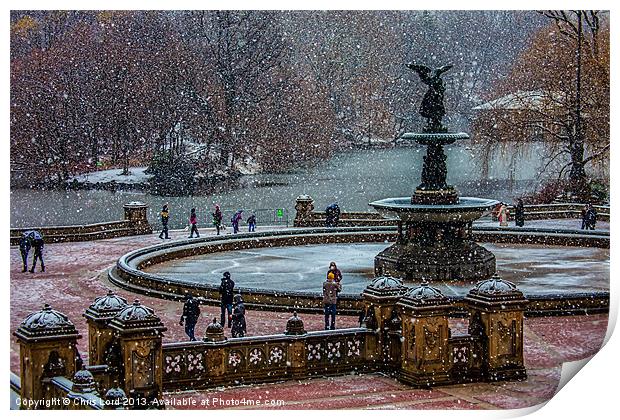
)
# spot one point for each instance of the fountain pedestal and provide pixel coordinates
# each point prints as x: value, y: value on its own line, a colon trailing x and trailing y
x: 434, y: 233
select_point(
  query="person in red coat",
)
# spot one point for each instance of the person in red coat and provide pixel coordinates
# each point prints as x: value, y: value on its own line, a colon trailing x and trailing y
x: 193, y: 221
x: 334, y: 270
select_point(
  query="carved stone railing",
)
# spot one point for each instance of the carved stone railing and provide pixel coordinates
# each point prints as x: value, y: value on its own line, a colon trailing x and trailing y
x: 311, y: 218
x: 466, y: 358
x: 134, y: 223
x: 200, y: 365
x: 60, y: 394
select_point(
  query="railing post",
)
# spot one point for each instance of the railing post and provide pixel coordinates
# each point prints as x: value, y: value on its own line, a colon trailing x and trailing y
x: 47, y: 348
x: 296, y: 355
x: 380, y: 298
x: 425, y: 351
x: 215, y: 356
x: 497, y: 308
x: 303, y: 206
x: 98, y: 317
x: 139, y: 333
x: 135, y: 213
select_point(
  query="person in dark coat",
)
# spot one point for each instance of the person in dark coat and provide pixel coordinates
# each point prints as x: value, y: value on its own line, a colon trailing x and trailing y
x: 252, y: 223
x: 36, y: 239
x: 191, y: 313
x: 235, y: 220
x: 590, y: 217
x: 333, y: 269
x: 226, y: 298
x: 332, y: 215
x: 193, y: 221
x: 584, y: 211
x: 24, y: 249
x: 238, y: 318
x: 164, y: 222
x: 330, y: 297
x: 217, y: 218
x: 519, y: 213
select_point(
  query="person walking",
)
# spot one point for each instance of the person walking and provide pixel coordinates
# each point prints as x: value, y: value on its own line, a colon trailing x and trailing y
x: 193, y: 221
x: 37, y: 243
x: 238, y: 317
x: 252, y: 223
x: 191, y: 313
x: 24, y: 248
x: 235, y: 220
x: 330, y: 296
x: 519, y: 213
x: 164, y: 222
x: 217, y: 218
x: 590, y: 217
x: 584, y: 212
x: 333, y: 269
x: 226, y: 298
x: 502, y: 215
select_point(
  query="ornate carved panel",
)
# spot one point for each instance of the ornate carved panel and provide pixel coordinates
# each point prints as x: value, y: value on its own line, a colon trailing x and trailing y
x: 195, y: 363
x: 236, y: 360
x: 142, y: 367
x: 256, y: 358
x: 506, y: 335
x: 276, y: 356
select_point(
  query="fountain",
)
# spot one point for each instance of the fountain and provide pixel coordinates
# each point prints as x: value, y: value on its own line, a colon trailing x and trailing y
x: 434, y: 228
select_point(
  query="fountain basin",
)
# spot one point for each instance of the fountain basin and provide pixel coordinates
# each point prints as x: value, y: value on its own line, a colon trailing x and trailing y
x: 466, y: 210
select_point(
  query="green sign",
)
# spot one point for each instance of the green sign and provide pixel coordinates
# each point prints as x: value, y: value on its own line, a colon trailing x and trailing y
x: 280, y: 213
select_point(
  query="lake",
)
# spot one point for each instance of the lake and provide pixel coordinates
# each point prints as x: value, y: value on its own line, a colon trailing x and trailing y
x: 352, y: 179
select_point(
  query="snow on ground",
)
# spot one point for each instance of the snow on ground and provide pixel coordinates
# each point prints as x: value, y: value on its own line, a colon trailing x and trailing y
x: 136, y: 176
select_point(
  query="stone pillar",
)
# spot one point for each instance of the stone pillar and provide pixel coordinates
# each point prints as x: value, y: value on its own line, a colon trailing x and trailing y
x: 47, y: 348
x: 496, y: 308
x: 380, y: 298
x: 100, y: 335
x: 296, y: 355
x: 139, y: 334
x: 304, y: 206
x: 425, y: 351
x: 135, y: 213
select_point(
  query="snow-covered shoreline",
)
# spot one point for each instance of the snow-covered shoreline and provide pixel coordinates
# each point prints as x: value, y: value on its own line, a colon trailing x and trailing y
x: 136, y: 175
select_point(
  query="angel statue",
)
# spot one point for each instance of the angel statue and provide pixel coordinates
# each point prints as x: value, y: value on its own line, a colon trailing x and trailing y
x: 432, y: 104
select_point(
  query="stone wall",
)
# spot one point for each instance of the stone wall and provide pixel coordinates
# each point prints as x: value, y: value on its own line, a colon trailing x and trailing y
x: 134, y: 223
x: 310, y: 218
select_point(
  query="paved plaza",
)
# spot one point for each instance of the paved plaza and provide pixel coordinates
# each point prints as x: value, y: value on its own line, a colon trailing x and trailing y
x: 75, y: 276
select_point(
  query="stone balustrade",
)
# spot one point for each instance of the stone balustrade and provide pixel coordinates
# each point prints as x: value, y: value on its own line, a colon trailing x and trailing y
x: 200, y: 365
x: 135, y: 223
x: 405, y: 333
x: 307, y: 217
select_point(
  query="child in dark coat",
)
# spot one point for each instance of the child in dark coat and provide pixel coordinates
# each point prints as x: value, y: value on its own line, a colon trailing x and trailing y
x: 238, y: 318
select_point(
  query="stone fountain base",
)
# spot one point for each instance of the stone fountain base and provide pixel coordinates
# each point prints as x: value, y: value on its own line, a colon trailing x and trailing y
x: 461, y: 261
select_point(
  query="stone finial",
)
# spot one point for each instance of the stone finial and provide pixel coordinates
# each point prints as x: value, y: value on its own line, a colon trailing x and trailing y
x: 137, y: 317
x: 114, y: 399
x: 45, y: 324
x: 294, y: 325
x: 84, y: 383
x: 495, y: 291
x: 426, y: 294
x: 105, y: 307
x: 214, y: 333
x: 384, y: 287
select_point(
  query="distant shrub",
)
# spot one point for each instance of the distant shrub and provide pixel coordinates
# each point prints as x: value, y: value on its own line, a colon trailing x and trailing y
x: 172, y: 177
